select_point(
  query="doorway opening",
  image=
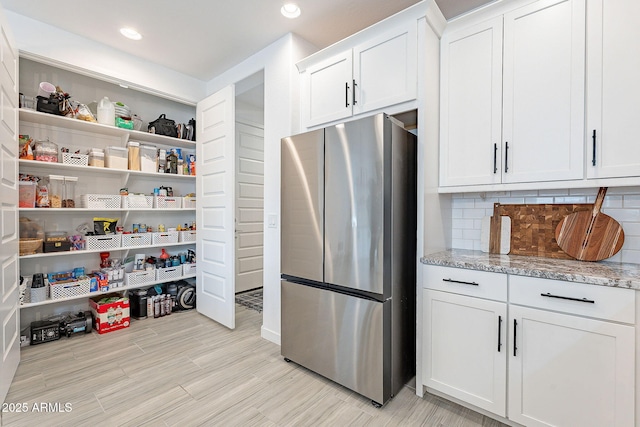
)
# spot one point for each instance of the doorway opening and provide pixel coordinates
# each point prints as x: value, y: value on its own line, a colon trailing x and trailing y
x: 249, y: 189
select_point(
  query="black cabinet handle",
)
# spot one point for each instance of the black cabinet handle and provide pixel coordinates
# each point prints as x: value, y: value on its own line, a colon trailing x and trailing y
x: 593, y: 162
x: 515, y: 329
x: 506, y: 157
x: 463, y: 283
x: 354, y: 92
x: 499, y: 333
x: 548, y: 295
x: 495, y: 158
x: 346, y: 94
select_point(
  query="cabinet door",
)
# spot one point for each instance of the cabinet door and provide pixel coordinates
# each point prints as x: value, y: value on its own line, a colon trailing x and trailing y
x: 471, y: 105
x: 464, y: 348
x: 543, y: 112
x: 570, y: 371
x: 385, y: 70
x: 327, y: 91
x: 613, y: 95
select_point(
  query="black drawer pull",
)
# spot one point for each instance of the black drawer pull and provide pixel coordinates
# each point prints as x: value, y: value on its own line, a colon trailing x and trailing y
x: 462, y: 283
x: 548, y: 295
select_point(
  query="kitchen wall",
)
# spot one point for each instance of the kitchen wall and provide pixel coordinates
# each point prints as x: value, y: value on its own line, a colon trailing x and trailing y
x: 622, y: 204
x: 280, y: 120
x: 51, y: 45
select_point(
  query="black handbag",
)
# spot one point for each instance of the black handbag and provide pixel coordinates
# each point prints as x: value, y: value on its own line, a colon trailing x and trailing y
x: 163, y: 126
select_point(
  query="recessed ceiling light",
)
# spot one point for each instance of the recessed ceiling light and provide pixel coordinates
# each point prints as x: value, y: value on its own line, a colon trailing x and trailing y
x: 130, y: 33
x: 290, y: 10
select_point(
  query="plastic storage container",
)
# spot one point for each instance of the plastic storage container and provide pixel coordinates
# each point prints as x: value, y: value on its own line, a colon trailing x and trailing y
x: 56, y: 191
x: 69, y: 200
x: 27, y: 194
x: 96, y: 158
x: 148, y: 158
x: 45, y: 151
x: 116, y: 158
x: 134, y: 155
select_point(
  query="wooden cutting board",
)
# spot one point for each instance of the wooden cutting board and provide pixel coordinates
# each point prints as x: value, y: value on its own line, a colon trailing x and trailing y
x: 533, y: 227
x: 590, y: 236
x: 495, y: 235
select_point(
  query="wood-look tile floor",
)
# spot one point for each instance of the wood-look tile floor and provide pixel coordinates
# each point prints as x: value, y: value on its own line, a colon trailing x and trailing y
x: 186, y: 370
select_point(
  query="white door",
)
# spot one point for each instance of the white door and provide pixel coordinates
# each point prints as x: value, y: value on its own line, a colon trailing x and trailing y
x: 385, y: 69
x: 9, y: 277
x: 249, y: 206
x: 570, y: 370
x: 215, y: 245
x: 465, y: 349
x: 543, y: 111
x: 328, y: 90
x: 471, y: 105
x: 613, y: 95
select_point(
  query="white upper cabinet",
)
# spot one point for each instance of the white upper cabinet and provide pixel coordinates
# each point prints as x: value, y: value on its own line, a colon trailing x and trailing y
x: 385, y: 70
x: 543, y: 112
x: 379, y: 72
x: 513, y: 97
x: 328, y: 89
x: 471, y: 105
x: 613, y: 95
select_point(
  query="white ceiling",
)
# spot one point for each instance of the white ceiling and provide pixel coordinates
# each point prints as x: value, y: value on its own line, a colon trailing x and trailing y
x: 203, y: 38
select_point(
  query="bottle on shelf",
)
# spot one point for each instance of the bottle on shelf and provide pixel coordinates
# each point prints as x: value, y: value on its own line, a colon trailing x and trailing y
x: 106, y: 112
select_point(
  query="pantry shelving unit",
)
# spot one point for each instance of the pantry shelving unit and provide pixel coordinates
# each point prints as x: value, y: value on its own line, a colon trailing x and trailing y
x: 81, y: 135
x: 96, y: 293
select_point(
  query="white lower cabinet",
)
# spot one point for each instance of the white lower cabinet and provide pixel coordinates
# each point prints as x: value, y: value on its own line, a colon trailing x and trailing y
x: 464, y: 347
x: 570, y: 364
x: 466, y: 353
x: 553, y: 354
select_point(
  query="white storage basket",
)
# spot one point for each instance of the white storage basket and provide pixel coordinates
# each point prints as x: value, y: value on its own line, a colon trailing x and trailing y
x: 166, y: 202
x: 136, y: 239
x: 75, y: 159
x: 137, y: 201
x: 70, y: 289
x: 100, y: 201
x: 139, y: 277
x: 100, y: 242
x: 161, y: 238
x: 187, y: 236
x: 188, y: 269
x: 189, y: 202
x: 168, y: 273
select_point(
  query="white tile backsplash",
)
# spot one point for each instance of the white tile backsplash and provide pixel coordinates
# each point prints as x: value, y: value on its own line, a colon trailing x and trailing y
x: 622, y: 204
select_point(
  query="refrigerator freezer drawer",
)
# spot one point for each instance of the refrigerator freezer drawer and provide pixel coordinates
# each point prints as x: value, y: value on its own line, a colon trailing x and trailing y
x: 341, y: 337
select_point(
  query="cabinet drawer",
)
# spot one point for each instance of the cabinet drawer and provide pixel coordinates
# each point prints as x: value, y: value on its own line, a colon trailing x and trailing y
x: 600, y: 302
x: 476, y: 283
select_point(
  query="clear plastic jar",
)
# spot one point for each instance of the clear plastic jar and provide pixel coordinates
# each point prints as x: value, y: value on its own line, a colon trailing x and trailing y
x: 56, y: 191
x: 69, y: 200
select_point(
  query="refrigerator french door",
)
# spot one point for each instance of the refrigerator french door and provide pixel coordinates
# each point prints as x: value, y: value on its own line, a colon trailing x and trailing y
x: 348, y: 254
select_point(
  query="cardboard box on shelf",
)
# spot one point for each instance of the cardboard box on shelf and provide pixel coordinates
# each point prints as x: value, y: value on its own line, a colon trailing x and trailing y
x: 110, y: 312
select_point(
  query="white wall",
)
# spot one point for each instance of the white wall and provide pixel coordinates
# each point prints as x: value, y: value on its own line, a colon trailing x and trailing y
x: 51, y: 45
x: 280, y: 120
x: 622, y: 204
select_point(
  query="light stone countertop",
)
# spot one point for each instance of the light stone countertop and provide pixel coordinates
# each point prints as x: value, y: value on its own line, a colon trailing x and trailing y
x: 596, y: 273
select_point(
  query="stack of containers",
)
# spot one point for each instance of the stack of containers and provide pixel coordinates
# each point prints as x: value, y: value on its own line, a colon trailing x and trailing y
x: 96, y: 157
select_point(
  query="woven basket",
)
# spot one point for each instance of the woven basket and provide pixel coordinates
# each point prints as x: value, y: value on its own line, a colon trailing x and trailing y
x: 30, y: 246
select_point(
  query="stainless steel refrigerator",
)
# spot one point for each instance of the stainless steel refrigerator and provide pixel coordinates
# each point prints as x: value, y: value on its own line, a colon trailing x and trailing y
x: 348, y: 260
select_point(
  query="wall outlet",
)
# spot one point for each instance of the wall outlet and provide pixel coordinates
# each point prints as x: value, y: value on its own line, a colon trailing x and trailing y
x: 272, y: 221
